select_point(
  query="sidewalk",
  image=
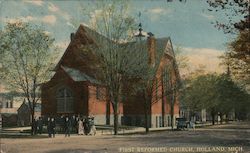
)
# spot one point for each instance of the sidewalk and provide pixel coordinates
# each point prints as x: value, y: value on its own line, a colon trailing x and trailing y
x: 103, y: 131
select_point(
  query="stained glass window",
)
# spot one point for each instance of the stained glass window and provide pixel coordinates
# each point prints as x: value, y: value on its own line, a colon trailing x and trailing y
x: 65, y: 101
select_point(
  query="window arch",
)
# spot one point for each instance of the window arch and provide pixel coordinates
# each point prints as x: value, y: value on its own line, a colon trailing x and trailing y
x: 65, y: 100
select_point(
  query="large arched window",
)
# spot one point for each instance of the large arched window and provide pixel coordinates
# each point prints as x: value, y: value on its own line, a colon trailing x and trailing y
x: 65, y: 101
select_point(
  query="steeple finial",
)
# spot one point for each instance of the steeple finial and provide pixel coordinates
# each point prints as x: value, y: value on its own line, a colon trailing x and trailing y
x: 140, y: 27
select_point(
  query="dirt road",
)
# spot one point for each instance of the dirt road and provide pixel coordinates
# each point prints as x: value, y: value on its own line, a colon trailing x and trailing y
x: 227, y: 138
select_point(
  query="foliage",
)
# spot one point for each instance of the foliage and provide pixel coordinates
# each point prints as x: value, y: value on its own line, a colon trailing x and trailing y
x: 122, y: 60
x: 171, y: 87
x: 232, y: 9
x: 240, y: 47
x: 181, y: 59
x: 117, y: 60
x: 216, y: 93
x: 237, y: 59
x: 27, y: 56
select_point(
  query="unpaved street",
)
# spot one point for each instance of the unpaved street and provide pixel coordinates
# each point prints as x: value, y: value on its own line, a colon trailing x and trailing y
x: 210, y: 139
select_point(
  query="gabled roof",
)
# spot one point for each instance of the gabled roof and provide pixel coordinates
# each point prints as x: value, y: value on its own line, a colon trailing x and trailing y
x: 77, y: 75
x: 37, y: 108
x: 87, y: 36
x: 160, y: 48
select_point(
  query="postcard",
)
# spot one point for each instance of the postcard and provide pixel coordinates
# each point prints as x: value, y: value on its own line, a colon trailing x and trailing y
x: 124, y: 76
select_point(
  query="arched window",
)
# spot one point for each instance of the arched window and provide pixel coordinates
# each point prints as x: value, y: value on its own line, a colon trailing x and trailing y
x: 65, y: 101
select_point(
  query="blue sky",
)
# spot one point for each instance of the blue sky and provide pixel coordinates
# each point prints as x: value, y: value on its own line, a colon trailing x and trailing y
x: 188, y: 24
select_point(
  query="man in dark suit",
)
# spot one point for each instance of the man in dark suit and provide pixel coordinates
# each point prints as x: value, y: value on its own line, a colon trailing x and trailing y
x: 49, y: 127
x: 40, y: 125
x: 67, y: 127
x: 74, y: 124
x: 34, y: 126
x: 53, y: 127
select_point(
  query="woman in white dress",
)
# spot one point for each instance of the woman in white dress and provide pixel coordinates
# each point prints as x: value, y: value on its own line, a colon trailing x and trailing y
x: 80, y: 127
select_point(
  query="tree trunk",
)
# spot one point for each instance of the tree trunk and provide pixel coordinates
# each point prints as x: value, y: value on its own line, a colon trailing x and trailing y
x: 146, y: 112
x: 163, y: 113
x: 172, y: 120
x: 108, y: 113
x: 146, y: 119
x: 227, y: 117
x: 32, y: 123
x: 163, y: 104
x: 115, y: 108
x: 172, y: 110
x: 221, y: 118
x: 213, y: 118
x: 146, y: 123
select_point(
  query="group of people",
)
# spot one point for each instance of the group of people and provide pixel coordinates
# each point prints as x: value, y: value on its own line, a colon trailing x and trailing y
x: 51, y: 127
x: 68, y: 124
x: 86, y: 126
x: 37, y: 126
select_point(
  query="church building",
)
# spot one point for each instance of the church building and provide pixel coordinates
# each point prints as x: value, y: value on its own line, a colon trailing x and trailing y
x: 76, y: 90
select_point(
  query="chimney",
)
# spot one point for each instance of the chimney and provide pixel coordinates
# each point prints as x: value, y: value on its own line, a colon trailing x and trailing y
x: 151, y: 41
x: 72, y: 36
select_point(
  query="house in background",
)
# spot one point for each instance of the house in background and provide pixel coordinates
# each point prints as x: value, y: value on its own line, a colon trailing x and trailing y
x: 9, y: 103
x: 76, y: 90
x: 24, y: 115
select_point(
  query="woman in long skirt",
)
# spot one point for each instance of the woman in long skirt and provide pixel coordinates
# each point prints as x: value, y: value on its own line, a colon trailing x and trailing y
x: 80, y: 127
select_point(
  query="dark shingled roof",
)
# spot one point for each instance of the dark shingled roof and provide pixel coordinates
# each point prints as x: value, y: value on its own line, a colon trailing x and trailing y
x: 38, y: 107
x: 77, y: 75
x: 161, y: 43
x: 88, y: 37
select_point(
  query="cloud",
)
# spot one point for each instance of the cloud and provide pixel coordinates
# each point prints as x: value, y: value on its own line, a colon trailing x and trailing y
x: 208, y: 16
x: 158, y: 10
x: 155, y: 13
x: 53, y: 8
x: 62, y: 45
x: 47, y: 32
x: 13, y: 20
x: 94, y: 17
x: 50, y: 19
x: 70, y: 24
x: 65, y: 15
x: 35, y: 2
x: 60, y: 13
x: 204, y: 56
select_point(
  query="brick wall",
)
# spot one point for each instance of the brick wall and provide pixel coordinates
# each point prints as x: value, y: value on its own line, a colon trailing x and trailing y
x: 49, y: 91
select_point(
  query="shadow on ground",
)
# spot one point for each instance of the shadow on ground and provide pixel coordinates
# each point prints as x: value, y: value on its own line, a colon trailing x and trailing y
x: 104, y: 150
x: 16, y: 136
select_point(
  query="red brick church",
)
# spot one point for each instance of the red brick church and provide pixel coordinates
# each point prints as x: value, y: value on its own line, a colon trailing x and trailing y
x: 75, y: 90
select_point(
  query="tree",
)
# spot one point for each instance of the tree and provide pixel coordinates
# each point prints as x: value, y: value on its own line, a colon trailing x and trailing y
x: 116, y: 57
x: 237, y: 21
x: 171, y: 85
x: 146, y: 83
x: 27, y: 57
x: 215, y: 93
x: 238, y: 57
x: 181, y: 60
x: 199, y: 94
x: 120, y: 61
x: 232, y: 9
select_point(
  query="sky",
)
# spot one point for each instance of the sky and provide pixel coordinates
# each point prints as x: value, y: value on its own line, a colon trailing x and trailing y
x: 187, y: 24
